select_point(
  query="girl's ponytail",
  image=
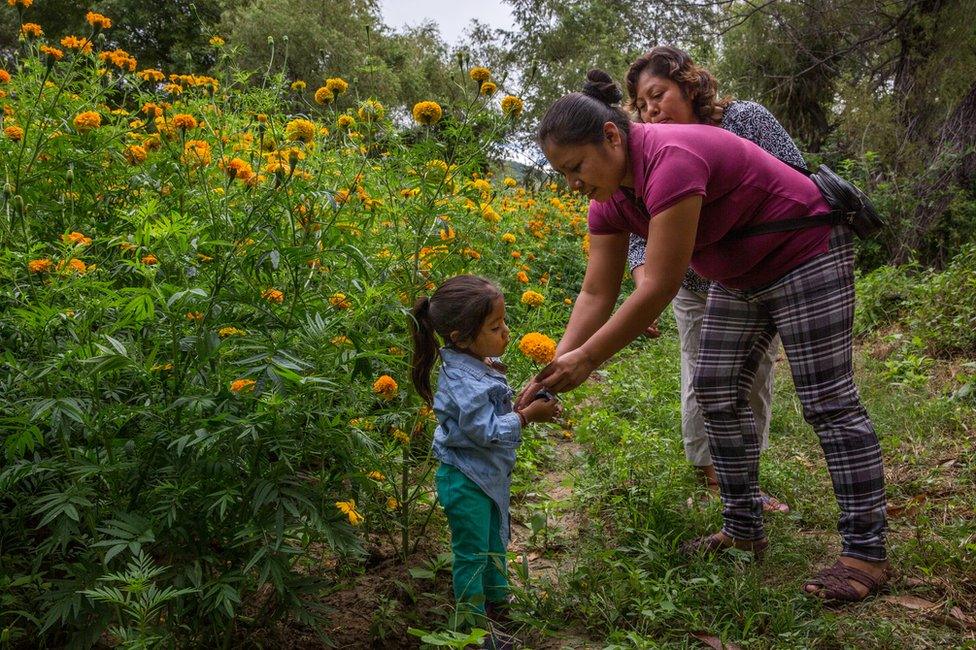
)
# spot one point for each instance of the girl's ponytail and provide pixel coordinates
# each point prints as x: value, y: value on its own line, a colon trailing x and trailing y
x: 424, y: 348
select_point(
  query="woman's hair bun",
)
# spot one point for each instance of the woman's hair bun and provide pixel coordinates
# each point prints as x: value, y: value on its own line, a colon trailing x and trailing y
x: 600, y: 85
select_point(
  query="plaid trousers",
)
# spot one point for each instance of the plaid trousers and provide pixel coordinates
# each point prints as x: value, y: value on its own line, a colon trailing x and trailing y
x: 812, y: 308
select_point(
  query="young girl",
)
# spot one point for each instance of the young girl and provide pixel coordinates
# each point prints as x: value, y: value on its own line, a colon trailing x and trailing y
x: 477, y: 432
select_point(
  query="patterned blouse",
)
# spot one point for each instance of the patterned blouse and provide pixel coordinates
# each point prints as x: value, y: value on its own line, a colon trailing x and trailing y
x: 747, y: 120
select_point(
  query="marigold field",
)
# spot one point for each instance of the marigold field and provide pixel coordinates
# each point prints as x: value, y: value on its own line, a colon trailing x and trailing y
x: 205, y: 292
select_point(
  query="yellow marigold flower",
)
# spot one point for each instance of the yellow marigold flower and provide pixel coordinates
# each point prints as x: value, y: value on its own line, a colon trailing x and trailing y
x: 87, y: 121
x: 348, y: 508
x: 585, y: 245
x: 510, y: 182
x: 567, y: 434
x: 151, y: 109
x: 298, y: 85
x: 73, y: 264
x: 52, y: 52
x: 376, y: 475
x: 224, y: 332
x: 300, y: 130
x: 538, y: 347
x: 23, y: 3
x: 183, y: 121
x: 238, y: 169
x: 151, y: 74
x: 392, y: 504
x: 324, y: 95
x: 4, y: 77
x: 401, y: 436
x: 480, y: 74
x: 427, y: 113
x: 42, y: 265
x: 567, y: 301
x: 508, y: 238
x: 150, y: 259
x: 196, y: 152
x: 82, y: 45
x: 173, y: 89
x: 488, y: 88
x: 98, y: 20
x: 31, y: 30
x: 522, y: 277
x: 345, y: 121
x: 371, y: 110
x: 194, y: 315
x: 489, y: 214
x: 13, y: 132
x: 386, y: 387
x: 447, y: 234
x: 239, y: 385
x: 216, y: 41
x: 339, y: 301
x: 512, y: 106
x: 472, y: 253
x: 340, y: 341
x: 76, y: 239
x: 338, y: 85
x: 273, y: 295
x: 135, y: 154
x: 532, y: 298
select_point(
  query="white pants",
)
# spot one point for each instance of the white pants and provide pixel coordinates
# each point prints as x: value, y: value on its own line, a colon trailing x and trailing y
x: 689, y: 309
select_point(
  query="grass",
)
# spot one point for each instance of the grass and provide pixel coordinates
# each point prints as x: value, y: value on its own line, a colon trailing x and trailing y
x: 627, y: 586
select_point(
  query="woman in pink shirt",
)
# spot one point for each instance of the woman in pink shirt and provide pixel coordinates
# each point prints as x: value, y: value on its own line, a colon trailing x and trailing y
x: 691, y: 190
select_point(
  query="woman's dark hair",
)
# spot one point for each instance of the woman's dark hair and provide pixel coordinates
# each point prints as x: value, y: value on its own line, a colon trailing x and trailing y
x: 578, y: 118
x: 462, y: 304
x: 695, y: 82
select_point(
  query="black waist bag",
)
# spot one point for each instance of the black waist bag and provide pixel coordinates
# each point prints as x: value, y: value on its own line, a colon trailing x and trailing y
x: 849, y: 206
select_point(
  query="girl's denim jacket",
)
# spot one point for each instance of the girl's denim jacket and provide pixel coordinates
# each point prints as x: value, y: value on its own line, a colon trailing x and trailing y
x: 478, y: 430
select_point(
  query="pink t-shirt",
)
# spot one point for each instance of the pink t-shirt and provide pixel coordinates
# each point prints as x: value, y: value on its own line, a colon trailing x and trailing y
x: 740, y: 184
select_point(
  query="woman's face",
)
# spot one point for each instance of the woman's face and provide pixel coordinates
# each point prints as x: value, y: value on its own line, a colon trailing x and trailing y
x: 596, y: 170
x: 660, y: 100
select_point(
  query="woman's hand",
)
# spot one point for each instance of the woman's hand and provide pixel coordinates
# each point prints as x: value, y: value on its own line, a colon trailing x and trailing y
x: 567, y: 372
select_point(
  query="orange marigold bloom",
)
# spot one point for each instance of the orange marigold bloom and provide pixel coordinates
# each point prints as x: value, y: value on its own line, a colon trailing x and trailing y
x: 98, y: 20
x: 532, y: 298
x: 135, y: 154
x: 339, y: 301
x: 52, y: 52
x: 183, y: 121
x: 324, y: 95
x: 196, y: 152
x: 273, y: 295
x: 151, y: 74
x: 512, y: 106
x: 23, y: 3
x: 338, y: 85
x: 427, y: 113
x: 239, y: 385
x: 4, y: 76
x: 238, y: 169
x: 42, y: 265
x: 300, y: 130
x: 538, y: 347
x: 82, y: 45
x: 488, y: 88
x: 73, y: 264
x: 522, y: 277
x: 31, y: 29
x: 149, y: 259
x: 194, y: 315
x: 386, y: 387
x: 480, y: 74
x: 87, y: 121
x: 13, y: 132
x: 151, y: 109
x: 76, y: 239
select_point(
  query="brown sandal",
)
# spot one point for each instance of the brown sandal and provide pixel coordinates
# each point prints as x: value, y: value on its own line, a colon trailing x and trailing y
x: 714, y: 543
x: 835, y: 587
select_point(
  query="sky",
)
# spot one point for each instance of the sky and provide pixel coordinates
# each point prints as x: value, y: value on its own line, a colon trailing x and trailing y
x: 452, y: 16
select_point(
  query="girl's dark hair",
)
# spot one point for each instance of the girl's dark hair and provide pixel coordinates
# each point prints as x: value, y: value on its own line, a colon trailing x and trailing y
x: 462, y: 304
x: 695, y: 82
x: 578, y: 118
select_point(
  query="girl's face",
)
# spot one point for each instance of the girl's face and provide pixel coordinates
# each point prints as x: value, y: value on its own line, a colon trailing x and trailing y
x: 660, y: 100
x: 596, y: 170
x: 492, y: 338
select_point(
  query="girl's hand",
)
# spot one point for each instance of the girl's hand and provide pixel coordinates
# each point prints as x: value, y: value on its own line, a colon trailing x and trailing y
x: 542, y: 410
x: 567, y: 372
x: 527, y: 395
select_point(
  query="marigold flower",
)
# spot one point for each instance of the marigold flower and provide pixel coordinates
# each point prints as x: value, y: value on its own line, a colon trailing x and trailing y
x: 508, y: 238
x: 376, y: 475
x: 173, y: 89
x: 52, y: 52
x: 538, y: 347
x: 31, y: 30
x: 78, y: 44
x: 238, y: 169
x: 348, y: 508
x: 152, y: 109
x: 183, y: 121
x: 512, y: 106
x: 4, y: 76
x: 76, y: 239
x: 427, y: 113
x: 194, y: 315
x: 298, y: 85
x: 196, y: 152
x: 532, y: 298
x: 480, y: 74
x: 135, y: 154
x: 371, y: 110
x: 339, y: 301
x: 239, y: 385
x: 151, y: 74
x: 488, y: 88
x: 522, y: 277
x: 73, y: 264
x: 149, y: 259
x: 98, y: 20
x: 324, y: 95
x: 23, y: 3
x: 401, y: 436
x: 216, y: 41
x: 13, y: 132
x: 300, y: 130
x: 87, y: 121
x: 273, y: 295
x: 345, y: 121
x: 386, y: 387
x: 510, y: 182
x: 42, y: 265
x: 392, y: 504
x: 338, y: 85
x: 224, y: 332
